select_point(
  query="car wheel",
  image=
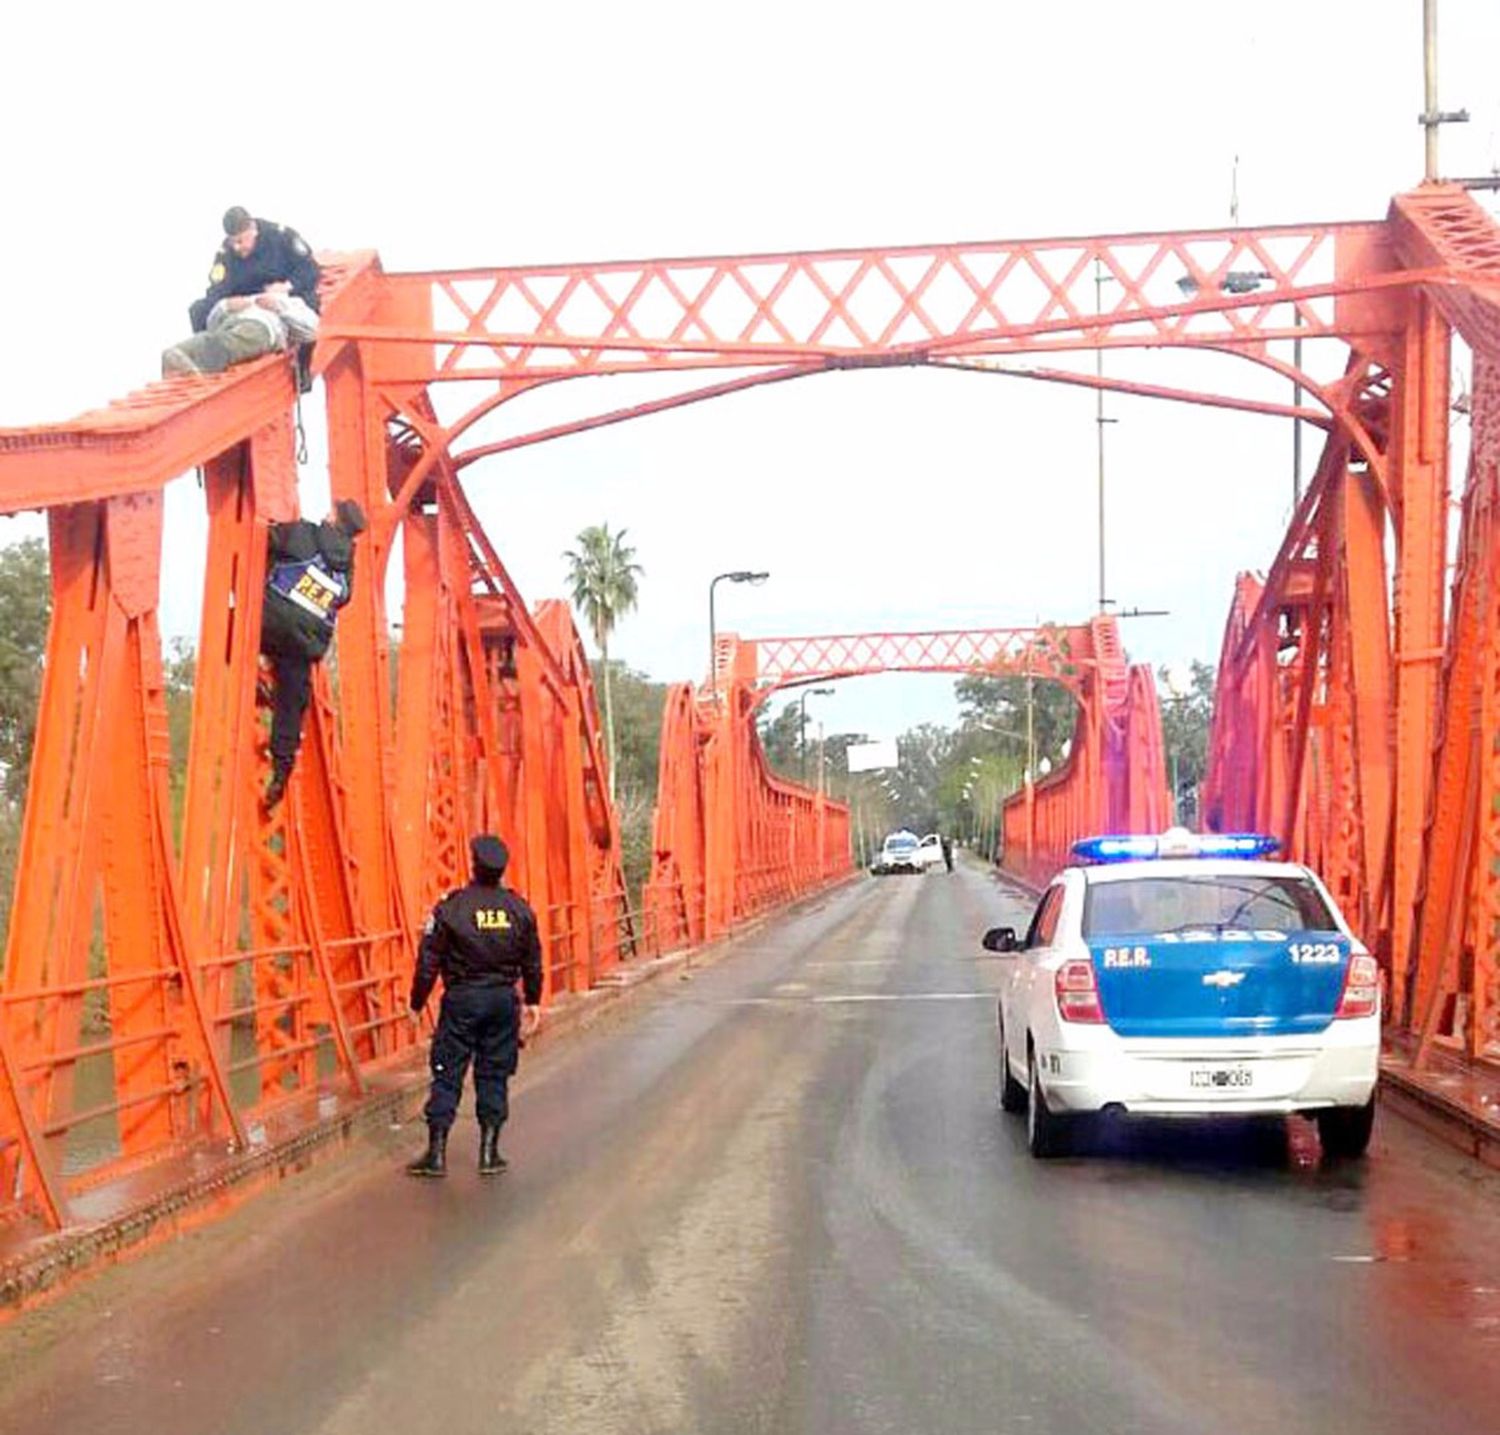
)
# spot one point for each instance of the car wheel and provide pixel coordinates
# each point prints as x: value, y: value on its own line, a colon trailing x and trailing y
x: 1045, y: 1132
x: 1012, y: 1093
x: 1345, y: 1130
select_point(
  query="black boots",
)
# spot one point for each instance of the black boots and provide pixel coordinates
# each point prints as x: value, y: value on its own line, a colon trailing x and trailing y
x: 276, y: 787
x: 433, y: 1161
x: 491, y: 1162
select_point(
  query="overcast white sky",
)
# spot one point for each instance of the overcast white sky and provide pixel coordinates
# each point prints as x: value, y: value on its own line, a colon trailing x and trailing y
x: 502, y: 133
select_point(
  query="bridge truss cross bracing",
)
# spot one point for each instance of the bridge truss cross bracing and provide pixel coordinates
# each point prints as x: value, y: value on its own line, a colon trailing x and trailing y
x: 226, y: 965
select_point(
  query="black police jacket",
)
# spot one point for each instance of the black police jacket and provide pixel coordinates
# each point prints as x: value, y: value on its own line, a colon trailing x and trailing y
x: 280, y: 253
x: 309, y: 577
x: 479, y: 933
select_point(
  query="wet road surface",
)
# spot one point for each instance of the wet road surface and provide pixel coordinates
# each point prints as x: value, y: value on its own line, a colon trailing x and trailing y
x: 780, y: 1196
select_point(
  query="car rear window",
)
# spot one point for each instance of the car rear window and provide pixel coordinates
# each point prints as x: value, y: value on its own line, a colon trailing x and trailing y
x: 1211, y: 902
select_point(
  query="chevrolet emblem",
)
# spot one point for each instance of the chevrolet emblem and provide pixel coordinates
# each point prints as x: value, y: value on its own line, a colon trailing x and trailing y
x: 1223, y: 979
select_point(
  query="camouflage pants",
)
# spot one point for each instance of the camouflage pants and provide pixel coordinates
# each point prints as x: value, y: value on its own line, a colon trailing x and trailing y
x: 236, y: 342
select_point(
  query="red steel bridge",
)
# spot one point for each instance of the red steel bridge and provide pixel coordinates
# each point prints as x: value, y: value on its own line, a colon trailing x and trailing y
x: 228, y: 965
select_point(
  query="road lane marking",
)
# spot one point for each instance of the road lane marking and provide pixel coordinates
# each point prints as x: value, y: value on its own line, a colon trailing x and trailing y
x: 844, y: 998
x: 856, y: 962
x: 906, y: 997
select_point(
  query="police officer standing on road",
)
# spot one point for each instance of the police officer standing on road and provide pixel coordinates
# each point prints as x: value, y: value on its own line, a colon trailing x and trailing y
x: 482, y: 939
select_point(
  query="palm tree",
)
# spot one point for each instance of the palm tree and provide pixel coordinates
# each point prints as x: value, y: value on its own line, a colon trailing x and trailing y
x: 602, y: 573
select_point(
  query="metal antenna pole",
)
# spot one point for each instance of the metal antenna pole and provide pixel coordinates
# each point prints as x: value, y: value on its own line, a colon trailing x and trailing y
x: 1297, y: 403
x: 1099, y: 422
x: 1432, y: 117
x: 713, y: 645
x: 1430, y: 120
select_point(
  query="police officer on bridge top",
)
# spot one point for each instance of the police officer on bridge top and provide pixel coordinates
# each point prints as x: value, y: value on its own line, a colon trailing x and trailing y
x: 481, y: 939
x: 255, y: 254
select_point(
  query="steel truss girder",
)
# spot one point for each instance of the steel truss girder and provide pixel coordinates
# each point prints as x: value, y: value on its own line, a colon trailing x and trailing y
x: 1058, y: 652
x: 841, y: 307
x: 1352, y: 718
x: 1114, y: 778
x: 730, y: 837
x: 510, y: 735
x: 246, y: 962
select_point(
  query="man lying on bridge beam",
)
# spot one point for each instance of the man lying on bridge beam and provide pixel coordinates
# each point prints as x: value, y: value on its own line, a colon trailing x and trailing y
x: 241, y: 328
x: 481, y: 939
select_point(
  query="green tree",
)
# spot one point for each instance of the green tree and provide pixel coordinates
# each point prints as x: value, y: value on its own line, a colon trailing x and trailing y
x: 999, y: 705
x: 25, y: 606
x: 781, y: 737
x: 1186, y: 716
x: 602, y: 573
x: 639, y: 705
x: 179, y: 671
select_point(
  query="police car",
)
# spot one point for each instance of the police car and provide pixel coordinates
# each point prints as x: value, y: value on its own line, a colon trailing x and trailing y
x: 900, y: 852
x: 1188, y: 975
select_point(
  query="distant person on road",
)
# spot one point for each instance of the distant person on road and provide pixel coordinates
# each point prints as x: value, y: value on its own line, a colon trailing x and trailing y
x: 947, y: 850
x: 482, y: 940
x: 241, y: 328
x: 254, y: 255
x: 309, y: 578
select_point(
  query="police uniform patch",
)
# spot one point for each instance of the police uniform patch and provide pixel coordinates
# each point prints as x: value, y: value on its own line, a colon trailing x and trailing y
x: 216, y: 274
x: 430, y: 925
x: 299, y: 244
x: 492, y: 919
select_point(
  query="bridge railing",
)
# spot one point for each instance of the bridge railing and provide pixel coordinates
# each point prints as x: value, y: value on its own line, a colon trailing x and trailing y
x: 1114, y: 778
x: 731, y: 838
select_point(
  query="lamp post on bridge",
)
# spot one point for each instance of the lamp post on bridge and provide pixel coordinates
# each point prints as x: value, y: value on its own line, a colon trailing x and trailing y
x: 1247, y: 281
x: 1100, y: 280
x: 1028, y: 740
x: 802, y: 723
x: 738, y: 575
x: 1179, y: 691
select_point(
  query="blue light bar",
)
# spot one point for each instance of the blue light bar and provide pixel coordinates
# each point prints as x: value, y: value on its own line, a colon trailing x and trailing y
x: 1176, y: 843
x: 1115, y: 849
x: 1237, y: 844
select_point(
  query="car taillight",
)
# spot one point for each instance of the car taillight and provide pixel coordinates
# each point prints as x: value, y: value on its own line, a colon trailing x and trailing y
x: 1078, y: 992
x: 1361, y: 988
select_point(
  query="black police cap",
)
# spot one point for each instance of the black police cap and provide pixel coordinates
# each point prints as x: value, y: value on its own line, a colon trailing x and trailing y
x: 236, y: 218
x: 489, y: 852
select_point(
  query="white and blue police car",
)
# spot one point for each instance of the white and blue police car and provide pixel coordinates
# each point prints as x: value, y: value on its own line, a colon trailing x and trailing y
x: 1188, y: 975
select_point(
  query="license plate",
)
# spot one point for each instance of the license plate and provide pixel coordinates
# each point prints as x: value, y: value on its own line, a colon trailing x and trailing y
x: 1220, y: 1078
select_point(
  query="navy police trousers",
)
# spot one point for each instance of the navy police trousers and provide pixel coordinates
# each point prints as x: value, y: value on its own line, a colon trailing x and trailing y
x: 478, y: 1022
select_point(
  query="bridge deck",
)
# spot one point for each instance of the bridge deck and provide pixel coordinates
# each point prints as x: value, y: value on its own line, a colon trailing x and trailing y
x: 780, y: 1197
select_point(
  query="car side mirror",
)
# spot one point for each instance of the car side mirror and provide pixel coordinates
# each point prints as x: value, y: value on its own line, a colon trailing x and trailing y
x: 1000, y: 939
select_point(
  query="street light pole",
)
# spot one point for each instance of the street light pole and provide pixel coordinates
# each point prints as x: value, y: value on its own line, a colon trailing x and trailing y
x: 738, y: 575
x: 802, y: 724
x: 1297, y: 404
x: 1100, y: 420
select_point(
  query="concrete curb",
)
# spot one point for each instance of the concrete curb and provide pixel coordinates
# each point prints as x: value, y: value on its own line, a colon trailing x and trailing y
x: 1423, y: 1100
x: 50, y: 1263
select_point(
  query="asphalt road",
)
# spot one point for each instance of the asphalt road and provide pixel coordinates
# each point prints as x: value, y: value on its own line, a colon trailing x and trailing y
x: 779, y: 1196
